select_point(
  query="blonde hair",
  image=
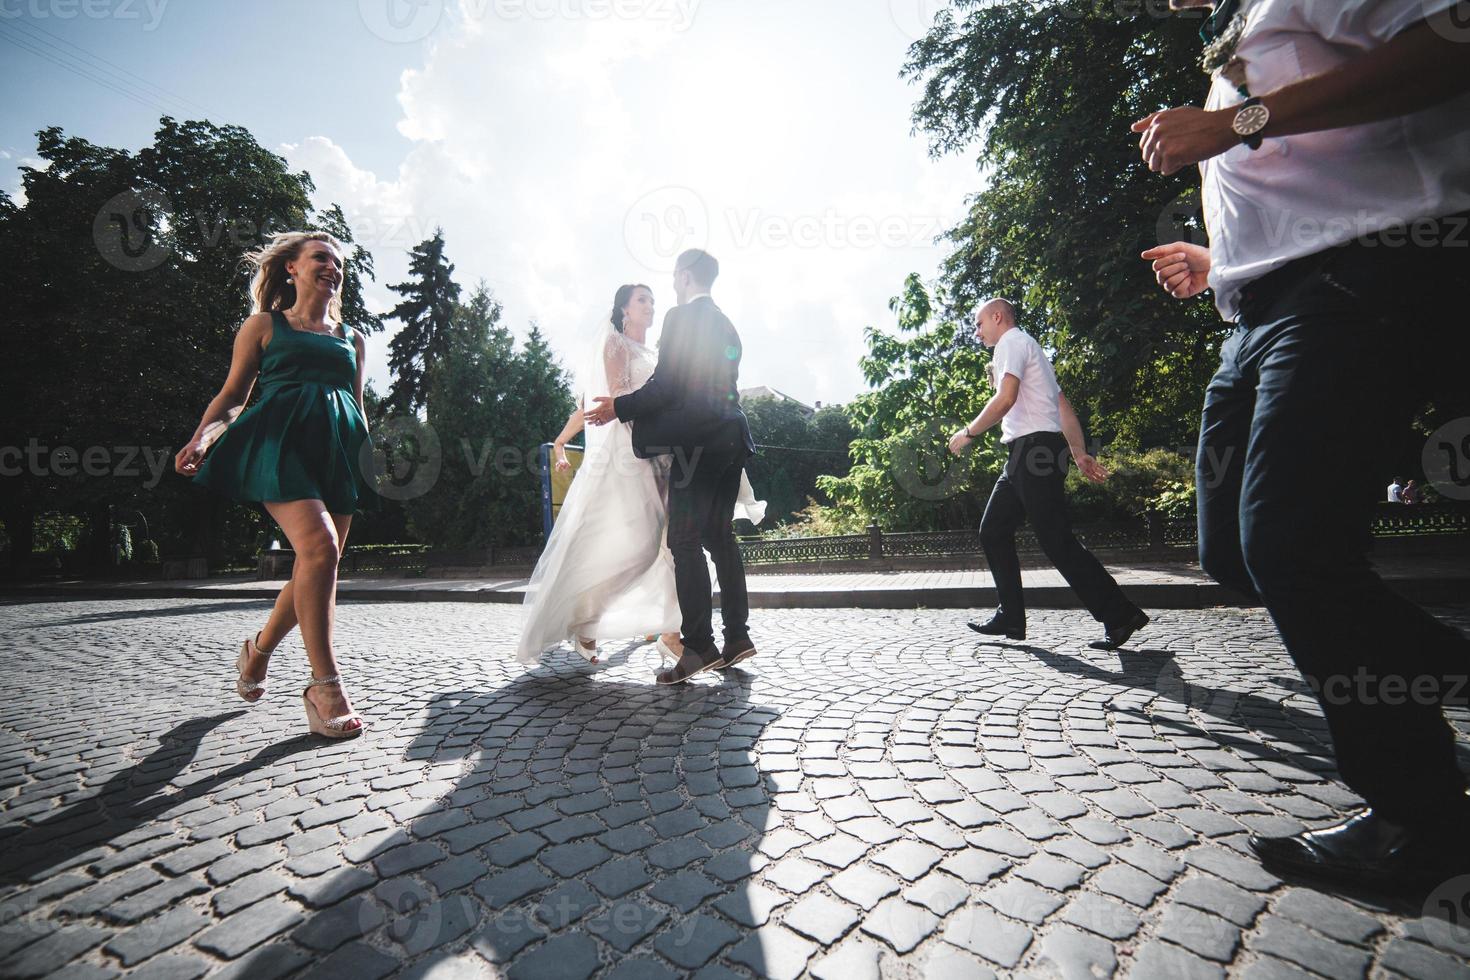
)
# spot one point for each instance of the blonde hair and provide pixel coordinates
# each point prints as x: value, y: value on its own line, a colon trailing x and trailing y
x: 270, y: 287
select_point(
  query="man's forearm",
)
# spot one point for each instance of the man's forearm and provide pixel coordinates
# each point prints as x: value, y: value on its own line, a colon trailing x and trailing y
x: 1416, y: 70
x: 994, y: 411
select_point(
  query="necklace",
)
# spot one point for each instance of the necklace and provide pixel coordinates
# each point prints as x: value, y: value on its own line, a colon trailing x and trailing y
x: 306, y: 329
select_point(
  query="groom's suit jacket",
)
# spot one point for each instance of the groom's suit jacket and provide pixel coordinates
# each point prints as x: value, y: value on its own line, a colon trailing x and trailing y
x: 692, y: 400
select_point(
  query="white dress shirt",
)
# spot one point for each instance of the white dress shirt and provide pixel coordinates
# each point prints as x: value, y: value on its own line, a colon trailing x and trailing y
x: 1301, y: 194
x: 1036, y: 408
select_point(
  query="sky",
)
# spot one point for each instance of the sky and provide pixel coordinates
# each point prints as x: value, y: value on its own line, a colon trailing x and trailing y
x: 564, y: 146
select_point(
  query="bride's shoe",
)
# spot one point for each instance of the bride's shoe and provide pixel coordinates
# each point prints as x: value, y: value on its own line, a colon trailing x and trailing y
x: 588, y: 649
x: 331, y: 727
x: 668, y: 650
x: 249, y: 690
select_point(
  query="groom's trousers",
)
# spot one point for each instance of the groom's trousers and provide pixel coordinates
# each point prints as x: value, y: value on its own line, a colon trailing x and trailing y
x: 1330, y: 357
x: 702, y: 494
x: 1033, y: 487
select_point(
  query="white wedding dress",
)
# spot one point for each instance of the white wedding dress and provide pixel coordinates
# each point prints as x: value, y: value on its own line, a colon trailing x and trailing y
x: 606, y: 571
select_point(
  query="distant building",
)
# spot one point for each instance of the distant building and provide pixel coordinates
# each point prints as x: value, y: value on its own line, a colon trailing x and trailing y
x: 748, y: 394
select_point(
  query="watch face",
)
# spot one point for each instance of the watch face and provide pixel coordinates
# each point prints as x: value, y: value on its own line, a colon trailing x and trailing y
x: 1251, y: 120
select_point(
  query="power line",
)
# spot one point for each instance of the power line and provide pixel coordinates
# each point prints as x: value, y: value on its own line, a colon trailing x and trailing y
x: 98, y: 59
x: 804, y: 449
x: 26, y: 44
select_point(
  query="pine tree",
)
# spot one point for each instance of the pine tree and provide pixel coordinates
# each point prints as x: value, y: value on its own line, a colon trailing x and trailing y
x: 427, y: 312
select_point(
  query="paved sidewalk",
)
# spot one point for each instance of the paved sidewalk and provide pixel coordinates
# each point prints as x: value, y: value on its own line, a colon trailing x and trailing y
x: 881, y: 793
x: 1156, y: 584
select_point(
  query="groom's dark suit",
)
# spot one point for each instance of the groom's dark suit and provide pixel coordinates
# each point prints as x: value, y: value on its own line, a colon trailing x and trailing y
x: 690, y: 409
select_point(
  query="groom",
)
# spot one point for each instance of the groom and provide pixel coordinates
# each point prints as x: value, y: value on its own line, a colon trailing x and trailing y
x: 690, y: 409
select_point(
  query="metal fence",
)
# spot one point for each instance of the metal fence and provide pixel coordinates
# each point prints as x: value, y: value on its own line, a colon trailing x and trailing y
x: 1152, y: 536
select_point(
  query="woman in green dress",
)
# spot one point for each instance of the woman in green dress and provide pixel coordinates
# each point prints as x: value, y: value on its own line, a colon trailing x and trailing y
x: 300, y: 452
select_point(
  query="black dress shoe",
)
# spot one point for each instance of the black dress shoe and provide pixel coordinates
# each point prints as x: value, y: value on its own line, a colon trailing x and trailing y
x: 1368, y: 849
x: 691, y: 663
x: 1116, y: 635
x: 734, y: 652
x: 998, y: 626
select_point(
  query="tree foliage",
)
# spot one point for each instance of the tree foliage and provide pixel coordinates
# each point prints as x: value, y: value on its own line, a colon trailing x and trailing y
x: 1047, y: 90
x: 125, y: 290
x: 797, y: 448
x: 430, y: 301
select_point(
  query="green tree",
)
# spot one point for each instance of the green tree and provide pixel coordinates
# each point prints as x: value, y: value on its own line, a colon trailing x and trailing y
x: 490, y: 405
x: 1048, y: 91
x: 798, y: 447
x: 430, y: 301
x: 125, y: 292
x: 927, y: 381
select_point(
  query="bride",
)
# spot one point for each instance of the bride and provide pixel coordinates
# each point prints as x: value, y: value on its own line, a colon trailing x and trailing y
x: 606, y: 572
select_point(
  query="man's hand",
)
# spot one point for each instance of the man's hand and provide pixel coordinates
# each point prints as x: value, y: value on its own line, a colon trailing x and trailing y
x: 1175, y: 138
x: 960, y: 441
x: 603, y: 413
x: 1090, y: 468
x: 1182, y: 268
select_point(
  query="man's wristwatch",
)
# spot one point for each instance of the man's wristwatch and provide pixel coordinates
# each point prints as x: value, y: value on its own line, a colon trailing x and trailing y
x: 1250, y: 119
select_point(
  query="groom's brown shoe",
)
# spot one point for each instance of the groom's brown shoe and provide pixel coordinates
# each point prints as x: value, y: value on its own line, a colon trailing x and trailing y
x: 691, y: 663
x: 735, y: 651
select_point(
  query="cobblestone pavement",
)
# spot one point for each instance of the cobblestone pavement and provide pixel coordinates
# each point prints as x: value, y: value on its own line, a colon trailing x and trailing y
x: 880, y: 792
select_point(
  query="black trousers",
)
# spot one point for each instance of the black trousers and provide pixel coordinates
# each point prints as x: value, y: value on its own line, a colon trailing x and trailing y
x: 1330, y: 353
x: 1033, y: 487
x: 702, y: 493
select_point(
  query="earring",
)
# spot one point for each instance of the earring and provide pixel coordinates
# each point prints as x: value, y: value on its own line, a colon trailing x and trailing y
x: 290, y: 280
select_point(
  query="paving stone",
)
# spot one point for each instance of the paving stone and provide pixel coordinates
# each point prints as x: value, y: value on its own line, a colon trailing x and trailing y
x: 988, y: 935
x: 345, y: 921
x: 751, y: 905
x: 1102, y: 915
x: 1333, y: 918
x: 772, y: 951
x: 793, y: 874
x: 675, y: 854
x: 1160, y: 961
x: 839, y: 851
x: 900, y: 924
x: 627, y: 922
x: 819, y: 917
x: 1076, y: 955
x: 1220, y: 898
x: 855, y: 959
x: 240, y: 933
x: 1209, y: 936
x: 975, y: 867
x: 1022, y: 900
x: 160, y: 933
x: 684, y: 890
x: 500, y: 890
x: 1420, y: 962
x: 863, y: 886
x: 617, y: 878
x: 572, y: 956
x: 569, y: 860
x: 937, y: 892
x: 1128, y: 883
x: 908, y: 859
x: 1289, y: 941
x: 695, y: 941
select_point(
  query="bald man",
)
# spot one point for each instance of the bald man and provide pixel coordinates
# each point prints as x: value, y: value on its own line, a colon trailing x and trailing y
x: 1040, y: 428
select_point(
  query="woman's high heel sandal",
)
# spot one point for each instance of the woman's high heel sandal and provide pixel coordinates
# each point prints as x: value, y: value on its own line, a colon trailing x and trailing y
x: 332, y: 727
x: 251, y: 691
x: 588, y: 649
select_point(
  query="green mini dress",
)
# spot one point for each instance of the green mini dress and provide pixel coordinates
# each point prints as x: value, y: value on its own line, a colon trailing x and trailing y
x: 305, y: 438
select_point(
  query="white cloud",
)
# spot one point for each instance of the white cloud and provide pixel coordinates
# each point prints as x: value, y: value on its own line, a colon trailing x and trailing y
x: 533, y: 137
